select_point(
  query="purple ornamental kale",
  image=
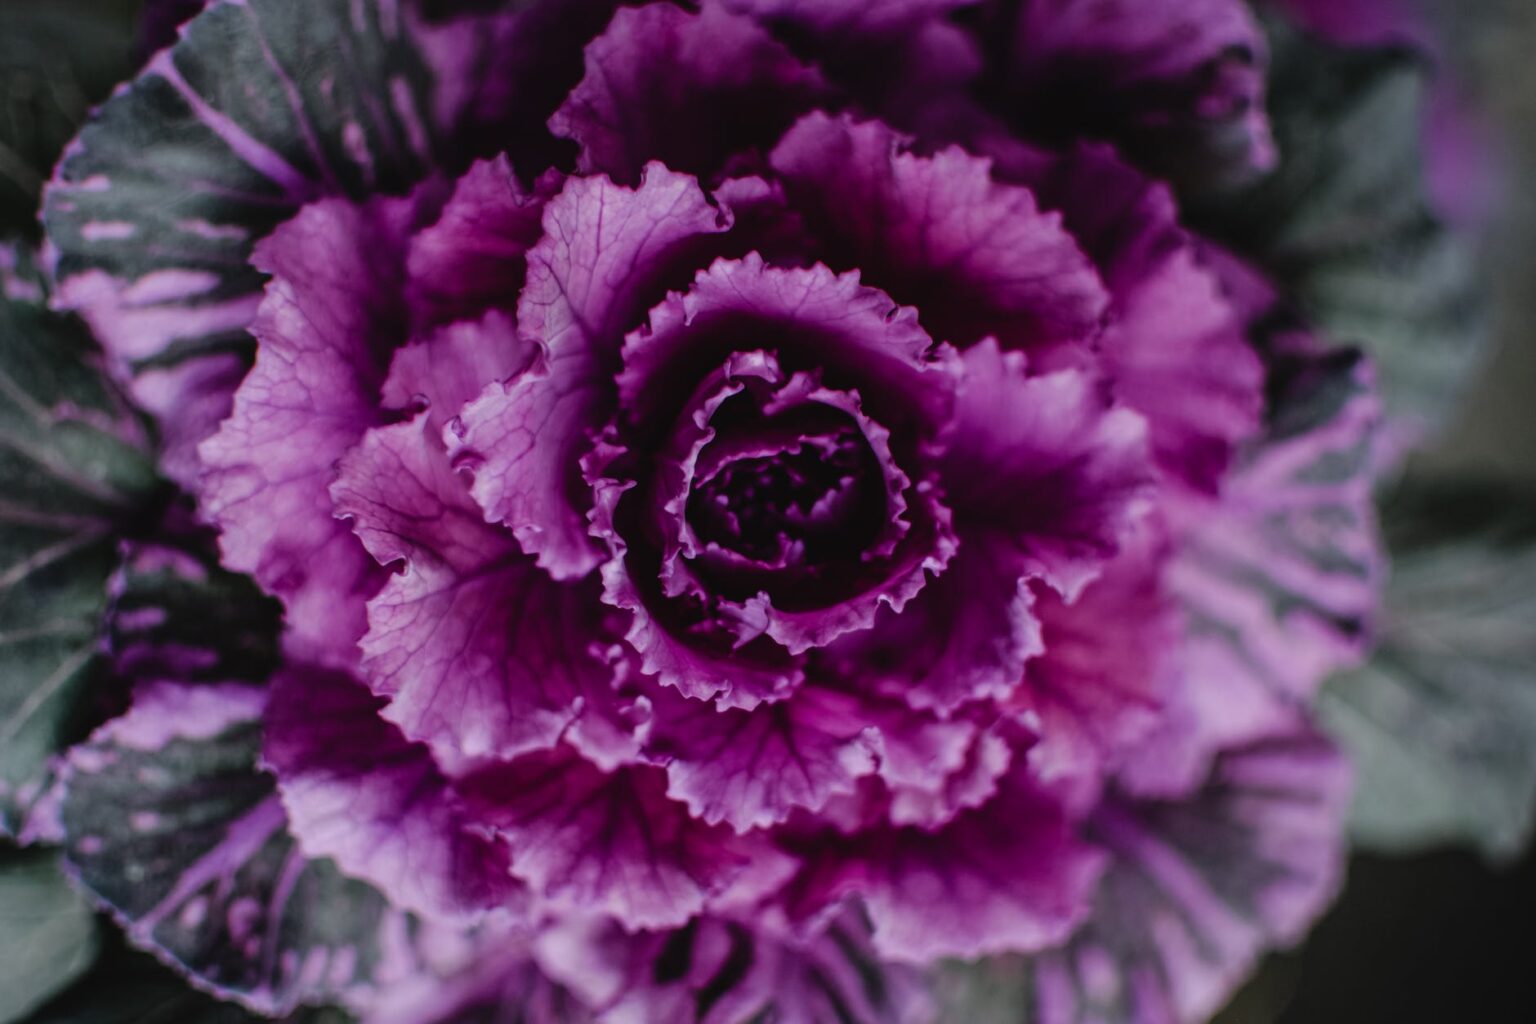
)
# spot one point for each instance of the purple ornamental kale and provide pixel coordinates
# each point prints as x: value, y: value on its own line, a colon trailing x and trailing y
x: 812, y: 503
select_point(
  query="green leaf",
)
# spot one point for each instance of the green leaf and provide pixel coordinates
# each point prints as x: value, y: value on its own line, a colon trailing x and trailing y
x: 997, y: 990
x: 57, y: 59
x: 262, y: 106
x: 124, y: 986
x: 177, y: 615
x: 170, y: 824
x: 76, y: 469
x: 1441, y: 724
x: 47, y: 931
x: 1344, y: 226
x: 128, y: 987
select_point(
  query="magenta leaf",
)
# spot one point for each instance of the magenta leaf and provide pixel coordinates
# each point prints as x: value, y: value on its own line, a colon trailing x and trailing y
x: 976, y: 257
x: 524, y: 439
x: 727, y: 86
x: 1278, y: 582
x: 480, y: 651
x: 1178, y: 83
x: 327, y: 326
x: 612, y: 843
x: 358, y: 792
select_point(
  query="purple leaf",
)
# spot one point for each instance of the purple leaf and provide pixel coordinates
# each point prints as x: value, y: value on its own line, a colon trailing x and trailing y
x: 725, y: 87
x: 480, y: 652
x: 976, y: 257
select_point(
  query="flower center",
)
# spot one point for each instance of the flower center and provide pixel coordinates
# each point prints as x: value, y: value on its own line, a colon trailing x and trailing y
x: 809, y: 501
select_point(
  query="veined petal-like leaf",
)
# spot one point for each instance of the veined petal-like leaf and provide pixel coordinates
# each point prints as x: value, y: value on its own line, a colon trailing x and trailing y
x: 1196, y: 889
x: 1442, y: 722
x: 171, y: 826
x: 74, y: 460
x: 1280, y: 581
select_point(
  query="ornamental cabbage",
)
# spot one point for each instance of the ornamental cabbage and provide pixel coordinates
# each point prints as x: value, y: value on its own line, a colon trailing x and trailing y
x: 768, y: 498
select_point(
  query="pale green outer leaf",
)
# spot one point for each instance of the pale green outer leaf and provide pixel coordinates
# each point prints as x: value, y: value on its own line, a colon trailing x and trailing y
x: 1344, y: 226
x: 47, y: 931
x: 998, y: 990
x: 76, y: 471
x: 1441, y: 724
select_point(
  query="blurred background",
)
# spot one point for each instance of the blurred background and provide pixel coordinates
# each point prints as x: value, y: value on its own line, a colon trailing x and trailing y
x: 1443, y: 936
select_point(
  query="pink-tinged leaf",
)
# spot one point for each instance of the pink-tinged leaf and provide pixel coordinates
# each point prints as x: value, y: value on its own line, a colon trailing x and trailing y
x: 750, y: 769
x: 190, y: 399
x: 977, y: 257
x: 1178, y: 83
x: 1175, y: 345
x: 492, y: 977
x: 1110, y: 667
x: 170, y: 825
x: 1279, y: 581
x: 358, y: 792
x: 453, y: 364
x: 1047, y: 464
x: 480, y: 652
x: 331, y: 319
x: 1197, y: 889
x: 612, y: 843
x: 606, y: 252
x: 1346, y: 230
x: 177, y: 616
x: 475, y: 257
x: 1007, y: 877
x: 78, y: 469
x: 725, y: 87
x: 1440, y: 724
x: 965, y: 637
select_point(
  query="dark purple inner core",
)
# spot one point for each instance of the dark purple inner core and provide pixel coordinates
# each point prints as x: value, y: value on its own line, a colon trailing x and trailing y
x: 786, y: 501
x: 822, y: 497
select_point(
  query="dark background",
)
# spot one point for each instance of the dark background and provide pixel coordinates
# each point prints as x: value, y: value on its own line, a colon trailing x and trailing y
x: 1440, y: 937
